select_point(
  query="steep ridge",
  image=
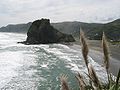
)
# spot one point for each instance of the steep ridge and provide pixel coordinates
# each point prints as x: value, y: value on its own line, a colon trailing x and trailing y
x: 92, y: 30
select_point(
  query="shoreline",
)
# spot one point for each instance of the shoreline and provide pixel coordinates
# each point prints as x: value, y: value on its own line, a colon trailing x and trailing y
x: 97, y: 56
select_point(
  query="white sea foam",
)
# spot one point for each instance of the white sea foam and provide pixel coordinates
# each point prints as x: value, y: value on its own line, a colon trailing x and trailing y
x: 61, y: 46
x: 45, y: 65
x: 8, y: 64
x: 14, y: 57
x: 68, y: 55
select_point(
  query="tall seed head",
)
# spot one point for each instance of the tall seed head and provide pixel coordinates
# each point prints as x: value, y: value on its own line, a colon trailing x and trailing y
x: 85, y: 49
x: 81, y: 82
x: 64, y: 83
x: 93, y: 77
x: 105, y: 51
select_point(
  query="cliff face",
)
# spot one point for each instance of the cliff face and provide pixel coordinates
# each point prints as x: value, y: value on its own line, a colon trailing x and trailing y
x: 41, y: 32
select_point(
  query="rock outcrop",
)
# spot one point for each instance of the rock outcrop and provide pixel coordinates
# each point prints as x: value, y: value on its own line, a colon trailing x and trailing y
x: 41, y: 32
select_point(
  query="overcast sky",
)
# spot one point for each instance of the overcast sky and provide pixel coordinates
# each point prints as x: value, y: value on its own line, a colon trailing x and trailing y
x: 23, y: 11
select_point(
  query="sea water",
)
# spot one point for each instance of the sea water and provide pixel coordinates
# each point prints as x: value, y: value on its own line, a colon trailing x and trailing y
x: 38, y: 67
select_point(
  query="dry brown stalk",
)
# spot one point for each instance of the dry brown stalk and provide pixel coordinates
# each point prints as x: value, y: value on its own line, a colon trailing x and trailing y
x: 94, y: 78
x: 85, y: 49
x: 81, y: 82
x: 105, y: 52
x: 64, y: 83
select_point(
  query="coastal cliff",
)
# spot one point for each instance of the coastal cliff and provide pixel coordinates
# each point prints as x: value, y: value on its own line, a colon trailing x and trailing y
x: 41, y: 32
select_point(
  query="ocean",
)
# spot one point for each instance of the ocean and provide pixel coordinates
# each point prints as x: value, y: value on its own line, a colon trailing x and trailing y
x: 38, y: 67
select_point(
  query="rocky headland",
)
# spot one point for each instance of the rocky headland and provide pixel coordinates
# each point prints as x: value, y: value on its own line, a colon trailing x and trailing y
x: 41, y: 32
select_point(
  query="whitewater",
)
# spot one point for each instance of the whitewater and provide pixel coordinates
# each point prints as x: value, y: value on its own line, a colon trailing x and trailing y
x: 38, y: 67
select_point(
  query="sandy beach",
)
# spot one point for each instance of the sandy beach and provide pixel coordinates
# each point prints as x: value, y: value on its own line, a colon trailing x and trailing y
x: 97, y: 55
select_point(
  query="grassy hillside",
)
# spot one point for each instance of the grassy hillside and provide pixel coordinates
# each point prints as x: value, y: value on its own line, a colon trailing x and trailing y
x: 92, y: 30
x: 112, y: 31
x: 19, y: 28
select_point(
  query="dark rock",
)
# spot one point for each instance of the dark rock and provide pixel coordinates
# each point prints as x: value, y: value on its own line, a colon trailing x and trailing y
x: 41, y: 32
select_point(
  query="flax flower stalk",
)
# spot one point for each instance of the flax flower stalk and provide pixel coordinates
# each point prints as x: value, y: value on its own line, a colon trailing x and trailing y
x: 64, y: 83
x: 85, y: 49
x: 105, y: 52
x: 81, y: 82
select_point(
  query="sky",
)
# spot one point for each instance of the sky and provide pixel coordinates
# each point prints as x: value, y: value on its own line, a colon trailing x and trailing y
x: 91, y: 11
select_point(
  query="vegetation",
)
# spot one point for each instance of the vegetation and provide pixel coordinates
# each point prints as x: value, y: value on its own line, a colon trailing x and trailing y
x: 92, y: 30
x: 94, y: 83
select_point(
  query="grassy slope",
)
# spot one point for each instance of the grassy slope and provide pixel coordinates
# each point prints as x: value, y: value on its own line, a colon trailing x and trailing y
x: 92, y: 30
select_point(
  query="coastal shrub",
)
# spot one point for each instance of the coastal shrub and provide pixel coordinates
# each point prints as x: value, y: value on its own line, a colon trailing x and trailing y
x: 94, y: 83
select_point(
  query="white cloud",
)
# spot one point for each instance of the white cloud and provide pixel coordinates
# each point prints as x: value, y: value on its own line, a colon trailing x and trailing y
x: 17, y: 11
